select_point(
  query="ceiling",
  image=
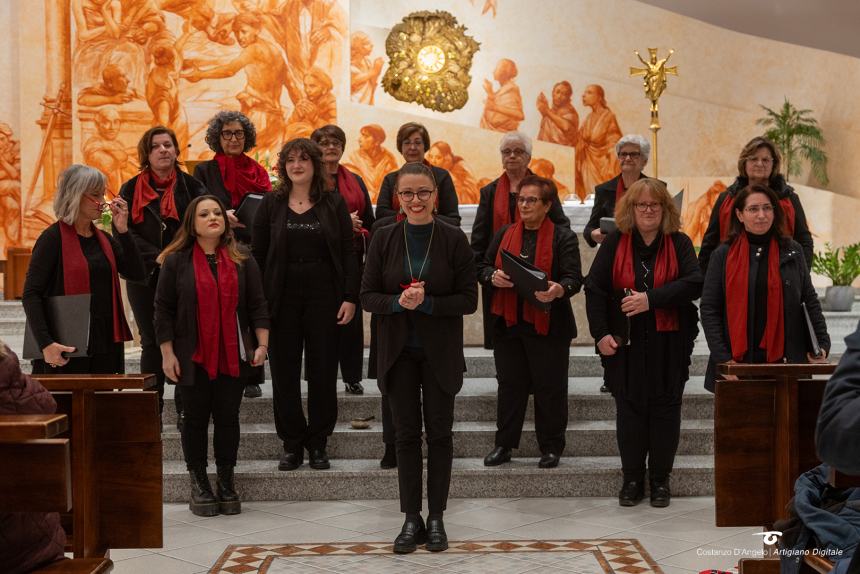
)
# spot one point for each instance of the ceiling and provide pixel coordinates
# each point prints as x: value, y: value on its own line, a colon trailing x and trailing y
x: 824, y: 24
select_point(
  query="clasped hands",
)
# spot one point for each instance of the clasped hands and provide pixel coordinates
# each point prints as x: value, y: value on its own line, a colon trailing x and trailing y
x: 412, y: 296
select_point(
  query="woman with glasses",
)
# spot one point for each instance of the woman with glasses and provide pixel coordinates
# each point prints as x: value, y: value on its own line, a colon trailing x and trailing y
x: 157, y: 199
x: 639, y: 300
x: 532, y: 345
x: 419, y: 281
x: 303, y: 238
x: 230, y: 176
x: 332, y: 141
x: 73, y: 257
x: 754, y: 289
x: 758, y: 164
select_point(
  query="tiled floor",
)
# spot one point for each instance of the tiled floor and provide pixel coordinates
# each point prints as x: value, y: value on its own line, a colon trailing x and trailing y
x: 680, y: 538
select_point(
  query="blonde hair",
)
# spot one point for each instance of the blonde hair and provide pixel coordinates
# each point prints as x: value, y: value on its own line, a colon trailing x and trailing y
x: 624, y: 209
x: 74, y: 182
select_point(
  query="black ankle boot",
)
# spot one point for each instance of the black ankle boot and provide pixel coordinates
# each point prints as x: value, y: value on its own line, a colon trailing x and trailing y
x: 203, y: 502
x: 228, y: 500
x: 631, y: 493
x: 389, y: 459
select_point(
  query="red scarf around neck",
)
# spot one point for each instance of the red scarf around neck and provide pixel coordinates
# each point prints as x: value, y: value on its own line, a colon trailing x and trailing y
x: 501, y: 203
x: 348, y: 187
x: 619, y: 189
x: 145, y: 193
x: 737, y: 300
x: 242, y: 175
x: 665, y: 271
x: 395, y: 199
x: 76, y: 275
x: 505, y: 300
x: 727, y: 208
x: 217, y: 329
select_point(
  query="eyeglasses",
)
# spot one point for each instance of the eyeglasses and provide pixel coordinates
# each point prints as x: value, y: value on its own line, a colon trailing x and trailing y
x: 761, y: 160
x: 629, y: 154
x: 101, y: 204
x: 414, y: 143
x: 423, y: 195
x: 239, y: 135
x: 329, y: 143
x: 516, y: 152
x: 527, y: 200
x: 643, y: 207
x: 767, y: 209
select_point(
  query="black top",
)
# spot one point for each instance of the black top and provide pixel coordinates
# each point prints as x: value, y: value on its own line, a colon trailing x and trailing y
x: 416, y: 264
x: 757, y: 296
x: 448, y: 201
x: 101, y: 288
x: 305, y: 240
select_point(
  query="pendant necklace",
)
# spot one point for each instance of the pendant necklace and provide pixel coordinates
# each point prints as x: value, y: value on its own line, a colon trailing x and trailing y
x: 414, y: 279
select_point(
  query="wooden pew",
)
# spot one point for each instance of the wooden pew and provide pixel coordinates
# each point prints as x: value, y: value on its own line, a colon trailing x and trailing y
x: 115, y: 460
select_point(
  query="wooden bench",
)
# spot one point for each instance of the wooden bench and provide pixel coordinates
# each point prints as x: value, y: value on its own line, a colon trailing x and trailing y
x: 15, y: 271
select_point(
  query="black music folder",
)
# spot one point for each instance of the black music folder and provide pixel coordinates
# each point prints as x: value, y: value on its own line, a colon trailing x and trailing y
x: 813, y: 340
x: 68, y: 318
x: 608, y: 225
x: 526, y: 278
x: 248, y: 209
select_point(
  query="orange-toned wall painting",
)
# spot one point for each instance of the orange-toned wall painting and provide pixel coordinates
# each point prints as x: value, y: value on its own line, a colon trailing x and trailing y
x: 10, y: 188
x: 371, y: 160
x: 315, y: 108
x: 363, y: 72
x: 441, y: 155
x: 559, y: 120
x: 698, y: 214
x: 545, y: 168
x: 490, y: 6
x: 595, y: 157
x: 503, y: 108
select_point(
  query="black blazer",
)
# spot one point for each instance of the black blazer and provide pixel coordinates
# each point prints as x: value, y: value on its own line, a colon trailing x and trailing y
x: 796, y: 289
x: 270, y: 249
x: 838, y: 435
x: 149, y: 235
x: 448, y: 201
x: 450, y: 282
x: 566, y: 270
x: 45, y: 275
x: 176, y: 306
x: 604, y: 206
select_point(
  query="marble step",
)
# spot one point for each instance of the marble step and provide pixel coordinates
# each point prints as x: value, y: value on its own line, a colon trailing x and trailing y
x: 471, y: 440
x: 359, y: 479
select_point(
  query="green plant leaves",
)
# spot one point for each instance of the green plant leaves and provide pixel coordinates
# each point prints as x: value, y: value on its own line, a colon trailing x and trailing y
x: 841, y: 270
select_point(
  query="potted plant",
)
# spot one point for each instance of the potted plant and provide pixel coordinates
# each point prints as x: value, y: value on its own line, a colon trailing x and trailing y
x: 797, y: 135
x: 842, y: 270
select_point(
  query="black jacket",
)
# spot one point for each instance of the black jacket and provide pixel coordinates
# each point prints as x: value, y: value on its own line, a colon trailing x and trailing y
x: 150, y: 235
x: 45, y: 275
x: 448, y: 202
x: 209, y: 173
x: 176, y: 306
x: 271, y: 251
x: 566, y: 271
x: 711, y: 238
x: 838, y: 435
x: 450, y: 282
x: 796, y: 289
x: 604, y: 206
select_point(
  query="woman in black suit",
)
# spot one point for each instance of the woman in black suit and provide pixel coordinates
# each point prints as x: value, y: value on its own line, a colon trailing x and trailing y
x: 639, y: 299
x: 419, y: 281
x: 532, y: 346
x: 211, y: 323
x: 157, y: 198
x: 73, y: 257
x: 303, y: 243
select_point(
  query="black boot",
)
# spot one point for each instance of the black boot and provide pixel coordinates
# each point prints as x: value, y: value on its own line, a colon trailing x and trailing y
x: 389, y: 459
x: 660, y: 493
x: 412, y: 535
x: 203, y: 502
x: 228, y: 500
x: 631, y: 493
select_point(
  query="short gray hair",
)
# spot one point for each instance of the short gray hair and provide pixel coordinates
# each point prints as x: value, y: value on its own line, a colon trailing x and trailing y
x: 635, y: 139
x: 216, y: 124
x: 74, y: 182
x: 517, y: 137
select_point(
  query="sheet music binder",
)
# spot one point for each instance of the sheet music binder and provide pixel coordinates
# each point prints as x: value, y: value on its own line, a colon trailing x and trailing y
x: 526, y: 278
x: 248, y: 209
x: 68, y: 318
x: 816, y: 348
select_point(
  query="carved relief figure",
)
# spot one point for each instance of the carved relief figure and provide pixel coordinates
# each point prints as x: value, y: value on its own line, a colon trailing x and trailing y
x: 316, y: 108
x: 699, y: 213
x: 10, y: 187
x: 545, y: 168
x: 371, y: 161
x: 503, y: 110
x: 595, y: 156
x: 113, y: 89
x: 559, y: 122
x: 363, y: 72
x: 441, y: 155
x: 104, y: 151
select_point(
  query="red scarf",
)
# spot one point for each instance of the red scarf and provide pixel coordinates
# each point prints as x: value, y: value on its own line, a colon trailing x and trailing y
x: 76, y: 275
x: 665, y: 271
x: 737, y: 300
x: 217, y: 329
x: 242, y: 175
x: 505, y: 300
x: 619, y: 189
x: 348, y: 187
x: 144, y: 193
x: 395, y: 199
x: 727, y: 208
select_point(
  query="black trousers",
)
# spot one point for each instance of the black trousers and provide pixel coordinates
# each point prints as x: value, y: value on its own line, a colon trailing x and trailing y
x: 531, y: 364
x: 409, y: 379
x: 648, y: 430
x: 219, y: 399
x: 350, y: 348
x: 142, y: 300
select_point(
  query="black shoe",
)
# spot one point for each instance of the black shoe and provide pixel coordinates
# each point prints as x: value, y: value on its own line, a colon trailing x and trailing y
x: 318, y: 459
x: 499, y: 455
x: 253, y: 392
x: 437, y: 539
x: 354, y: 388
x: 228, y: 500
x: 604, y: 389
x: 180, y: 421
x: 203, y: 502
x: 631, y: 493
x: 389, y: 459
x: 660, y: 493
x: 291, y: 460
x: 411, y: 536
x: 548, y: 460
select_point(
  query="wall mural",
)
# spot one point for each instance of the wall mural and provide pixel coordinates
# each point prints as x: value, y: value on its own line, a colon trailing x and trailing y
x: 10, y: 186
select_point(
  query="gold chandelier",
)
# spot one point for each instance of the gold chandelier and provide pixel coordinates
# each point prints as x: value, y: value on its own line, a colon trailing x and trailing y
x: 429, y: 61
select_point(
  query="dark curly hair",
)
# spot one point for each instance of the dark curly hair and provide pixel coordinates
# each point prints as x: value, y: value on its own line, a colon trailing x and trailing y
x: 320, y: 181
x: 216, y: 124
